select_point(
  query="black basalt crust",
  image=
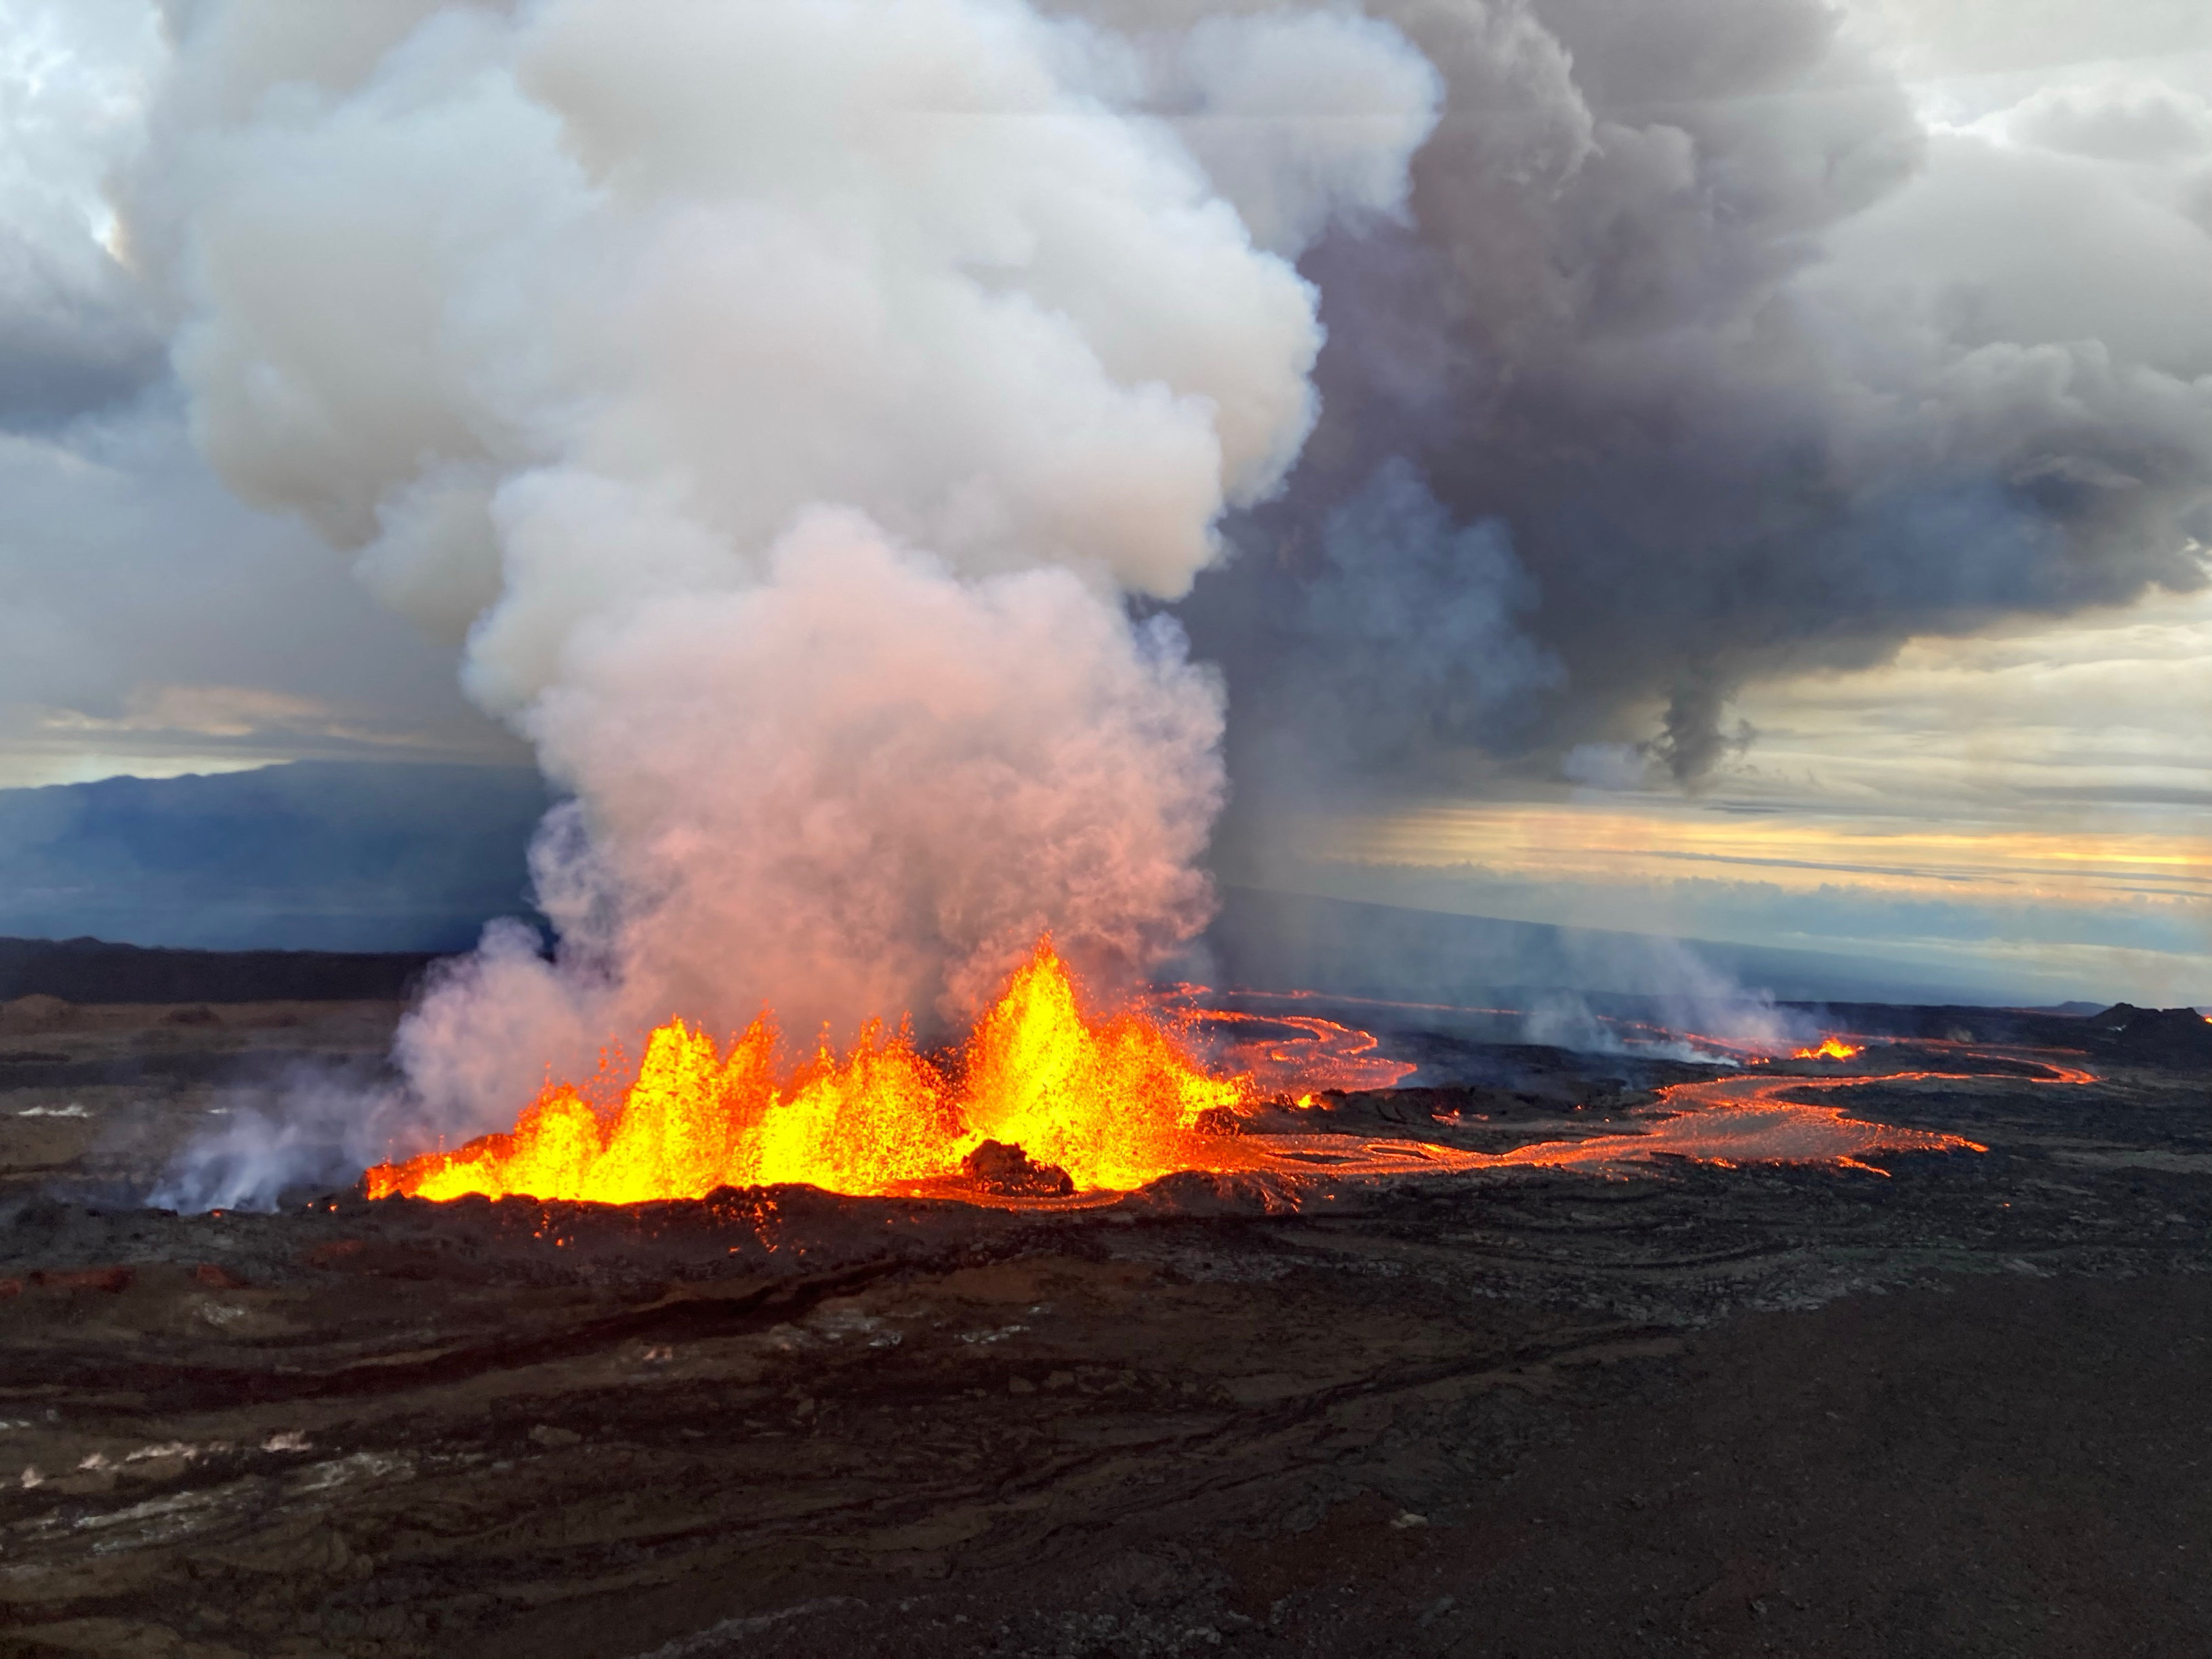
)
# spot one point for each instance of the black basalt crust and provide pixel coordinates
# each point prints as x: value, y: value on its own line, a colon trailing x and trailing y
x: 996, y: 1167
x: 1936, y: 1404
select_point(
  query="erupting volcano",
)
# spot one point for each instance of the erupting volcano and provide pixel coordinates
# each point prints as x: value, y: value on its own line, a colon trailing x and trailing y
x: 1045, y: 1104
x: 1113, y: 1102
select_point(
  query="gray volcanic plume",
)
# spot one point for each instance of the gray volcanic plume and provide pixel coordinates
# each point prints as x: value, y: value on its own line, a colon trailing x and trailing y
x: 1720, y: 360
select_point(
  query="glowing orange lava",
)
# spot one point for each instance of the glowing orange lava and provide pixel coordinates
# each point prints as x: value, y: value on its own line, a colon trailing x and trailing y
x: 1115, y: 1103
x: 1295, y: 1057
x: 1830, y: 1048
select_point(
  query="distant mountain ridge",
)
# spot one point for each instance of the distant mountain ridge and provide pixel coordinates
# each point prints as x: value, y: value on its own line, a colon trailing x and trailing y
x: 94, y: 971
x: 333, y: 856
x: 1351, y: 948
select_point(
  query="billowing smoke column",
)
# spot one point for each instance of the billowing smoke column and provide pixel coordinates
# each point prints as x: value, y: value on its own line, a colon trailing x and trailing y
x: 1718, y: 359
x: 778, y: 401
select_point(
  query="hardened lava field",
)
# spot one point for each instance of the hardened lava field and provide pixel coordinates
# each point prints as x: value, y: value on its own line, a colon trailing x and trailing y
x: 1927, y: 1401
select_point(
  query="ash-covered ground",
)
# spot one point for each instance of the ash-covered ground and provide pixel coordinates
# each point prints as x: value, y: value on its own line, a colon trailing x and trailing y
x: 1957, y: 1409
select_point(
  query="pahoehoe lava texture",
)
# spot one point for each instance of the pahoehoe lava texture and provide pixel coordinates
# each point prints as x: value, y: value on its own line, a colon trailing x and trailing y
x: 1687, y: 1410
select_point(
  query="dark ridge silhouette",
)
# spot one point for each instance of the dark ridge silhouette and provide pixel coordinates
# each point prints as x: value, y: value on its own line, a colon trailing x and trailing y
x: 2177, y: 1035
x: 94, y: 970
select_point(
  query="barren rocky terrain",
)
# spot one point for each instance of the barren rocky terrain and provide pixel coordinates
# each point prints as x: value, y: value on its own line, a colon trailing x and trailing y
x: 1951, y: 1405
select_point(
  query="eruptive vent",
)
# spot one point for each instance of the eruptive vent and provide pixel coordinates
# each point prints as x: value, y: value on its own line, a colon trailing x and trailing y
x: 1830, y: 1048
x: 1114, y: 1102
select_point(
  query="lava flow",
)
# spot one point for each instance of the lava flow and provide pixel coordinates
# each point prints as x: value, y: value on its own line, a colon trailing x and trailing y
x: 1297, y: 1057
x: 1114, y: 1104
x: 1046, y: 1106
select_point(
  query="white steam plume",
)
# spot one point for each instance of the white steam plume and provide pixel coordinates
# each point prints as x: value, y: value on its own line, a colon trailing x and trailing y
x: 779, y: 400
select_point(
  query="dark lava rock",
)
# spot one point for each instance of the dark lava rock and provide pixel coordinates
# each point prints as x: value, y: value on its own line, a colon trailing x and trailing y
x: 1674, y: 1410
x: 1189, y: 1193
x: 95, y: 971
x: 2171, y: 1035
x: 997, y: 1168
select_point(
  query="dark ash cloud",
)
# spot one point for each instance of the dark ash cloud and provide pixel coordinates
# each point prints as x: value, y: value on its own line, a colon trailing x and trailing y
x: 1753, y: 372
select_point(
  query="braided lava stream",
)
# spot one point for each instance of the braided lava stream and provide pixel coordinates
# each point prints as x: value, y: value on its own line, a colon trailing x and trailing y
x: 1048, y: 1107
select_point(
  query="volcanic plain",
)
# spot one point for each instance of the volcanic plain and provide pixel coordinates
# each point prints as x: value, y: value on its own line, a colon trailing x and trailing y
x: 1935, y: 1402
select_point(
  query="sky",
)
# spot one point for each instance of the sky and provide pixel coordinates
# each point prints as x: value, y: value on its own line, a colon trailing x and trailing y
x: 2025, y: 810
x: 153, y: 624
x: 2009, y: 785
x: 2027, y: 813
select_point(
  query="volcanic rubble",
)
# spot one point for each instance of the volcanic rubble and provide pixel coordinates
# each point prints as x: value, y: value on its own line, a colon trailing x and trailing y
x: 1676, y: 1409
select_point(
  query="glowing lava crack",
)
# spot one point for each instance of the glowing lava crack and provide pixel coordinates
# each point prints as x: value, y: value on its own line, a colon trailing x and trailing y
x: 1039, y: 1090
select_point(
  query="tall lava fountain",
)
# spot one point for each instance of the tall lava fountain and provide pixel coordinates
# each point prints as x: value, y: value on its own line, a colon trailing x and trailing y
x: 778, y: 404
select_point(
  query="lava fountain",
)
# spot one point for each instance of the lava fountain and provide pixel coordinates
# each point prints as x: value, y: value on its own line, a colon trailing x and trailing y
x: 1114, y: 1102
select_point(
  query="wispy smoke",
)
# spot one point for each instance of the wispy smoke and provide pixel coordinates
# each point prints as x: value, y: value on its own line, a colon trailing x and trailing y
x: 1686, y: 997
x: 311, y: 1128
x: 779, y: 401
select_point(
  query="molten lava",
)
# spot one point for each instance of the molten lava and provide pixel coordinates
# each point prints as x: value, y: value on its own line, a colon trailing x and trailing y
x: 1043, y: 1100
x: 1115, y: 1103
x: 1830, y: 1048
x: 1295, y: 1057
